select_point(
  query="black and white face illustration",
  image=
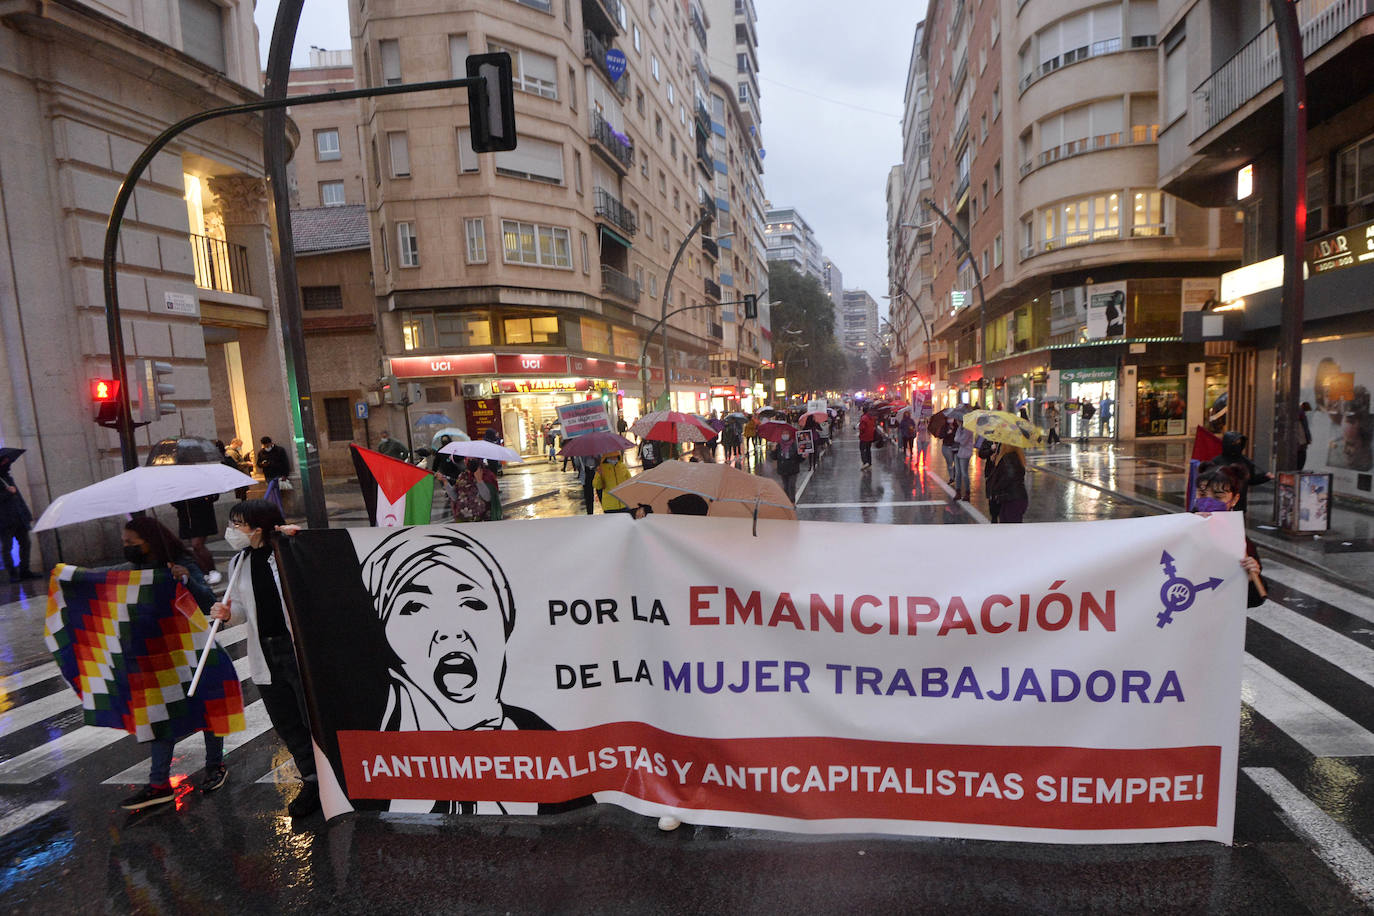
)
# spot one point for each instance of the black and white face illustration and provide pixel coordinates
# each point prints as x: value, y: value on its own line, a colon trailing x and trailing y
x: 447, y: 611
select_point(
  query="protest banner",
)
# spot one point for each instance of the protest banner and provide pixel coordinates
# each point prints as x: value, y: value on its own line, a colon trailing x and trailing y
x: 584, y: 417
x: 1087, y: 693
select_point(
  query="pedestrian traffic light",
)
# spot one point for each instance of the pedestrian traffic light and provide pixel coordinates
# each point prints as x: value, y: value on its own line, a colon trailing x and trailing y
x: 153, y: 393
x: 491, y: 103
x: 105, y: 401
x: 389, y: 390
x: 751, y: 306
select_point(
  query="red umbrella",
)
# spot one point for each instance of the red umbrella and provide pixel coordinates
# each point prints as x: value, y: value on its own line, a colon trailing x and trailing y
x: 597, y: 443
x: 772, y: 430
x: 672, y: 426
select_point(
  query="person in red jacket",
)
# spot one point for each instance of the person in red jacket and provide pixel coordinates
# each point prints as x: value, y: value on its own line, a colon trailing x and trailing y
x: 868, y: 431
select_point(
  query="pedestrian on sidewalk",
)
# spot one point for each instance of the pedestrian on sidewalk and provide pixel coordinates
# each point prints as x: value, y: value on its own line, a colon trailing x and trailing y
x: 548, y: 442
x: 15, y: 519
x: 922, y: 438
x: 815, y: 429
x: 1218, y: 490
x: 586, y: 465
x: 237, y: 459
x: 1006, y: 483
x: 963, y: 442
x: 751, y: 438
x: 463, y: 494
x: 611, y: 473
x: 196, y: 521
x: 149, y: 544
x: 949, y: 447
x: 275, y: 467
x: 256, y: 600
x: 1052, y: 421
x: 391, y: 448
x: 906, y: 430
x: 1304, y: 434
x: 868, y: 433
x: 1085, y: 418
x: 788, y: 461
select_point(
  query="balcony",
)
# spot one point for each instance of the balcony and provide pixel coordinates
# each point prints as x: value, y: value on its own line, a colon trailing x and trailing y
x: 603, y: 14
x: 717, y: 331
x: 619, y: 285
x: 712, y: 289
x: 710, y: 248
x: 703, y: 72
x: 615, y: 146
x: 1255, y: 67
x: 708, y: 163
x: 221, y: 266
x: 703, y: 114
x: 595, y: 48
x: 1140, y: 135
x: 1077, y: 55
x: 609, y: 208
x: 698, y: 26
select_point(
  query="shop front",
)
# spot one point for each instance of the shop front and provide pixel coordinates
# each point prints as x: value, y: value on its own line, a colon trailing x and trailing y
x: 1095, y: 385
x: 519, y: 393
x: 1161, y: 401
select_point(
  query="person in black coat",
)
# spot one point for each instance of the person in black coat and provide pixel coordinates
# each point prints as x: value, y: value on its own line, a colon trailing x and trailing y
x: 1248, y: 473
x: 15, y: 519
x: 1005, y: 484
x: 272, y: 460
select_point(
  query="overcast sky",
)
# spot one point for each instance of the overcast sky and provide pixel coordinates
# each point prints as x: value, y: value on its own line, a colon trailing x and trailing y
x: 832, y: 76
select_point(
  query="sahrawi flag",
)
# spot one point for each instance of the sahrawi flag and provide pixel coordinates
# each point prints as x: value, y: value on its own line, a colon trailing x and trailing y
x: 127, y: 641
x: 396, y: 493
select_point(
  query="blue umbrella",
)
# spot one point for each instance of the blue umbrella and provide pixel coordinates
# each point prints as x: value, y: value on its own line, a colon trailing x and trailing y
x: 1023, y: 402
x: 434, y: 419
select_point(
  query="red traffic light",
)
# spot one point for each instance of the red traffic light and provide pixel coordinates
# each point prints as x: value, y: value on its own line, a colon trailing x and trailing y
x: 104, y: 390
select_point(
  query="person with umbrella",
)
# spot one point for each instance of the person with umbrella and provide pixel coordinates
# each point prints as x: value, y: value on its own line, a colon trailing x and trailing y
x: 906, y: 430
x: 611, y: 474
x: 149, y: 544
x: 15, y: 519
x: 1005, y: 474
x: 788, y: 461
x: 391, y: 448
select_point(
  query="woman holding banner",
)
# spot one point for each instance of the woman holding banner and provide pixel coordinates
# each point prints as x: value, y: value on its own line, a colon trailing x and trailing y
x: 254, y: 597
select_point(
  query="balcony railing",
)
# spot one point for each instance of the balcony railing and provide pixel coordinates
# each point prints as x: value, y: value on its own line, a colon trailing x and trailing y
x: 717, y: 331
x: 609, y: 207
x: 1255, y: 67
x: 703, y: 72
x: 616, y: 283
x: 608, y: 11
x: 220, y: 265
x: 710, y: 248
x: 712, y: 289
x: 614, y: 142
x: 703, y: 113
x: 1141, y: 135
x: 596, y: 49
x: 1076, y: 55
x: 698, y: 26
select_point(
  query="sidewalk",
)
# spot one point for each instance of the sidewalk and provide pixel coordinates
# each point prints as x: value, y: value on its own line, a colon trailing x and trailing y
x: 1155, y: 474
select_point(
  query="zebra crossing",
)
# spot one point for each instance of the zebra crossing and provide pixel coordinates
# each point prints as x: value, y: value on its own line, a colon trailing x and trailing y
x: 1308, y: 675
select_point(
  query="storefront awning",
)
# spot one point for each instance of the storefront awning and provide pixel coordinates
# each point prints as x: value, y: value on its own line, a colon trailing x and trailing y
x: 615, y: 236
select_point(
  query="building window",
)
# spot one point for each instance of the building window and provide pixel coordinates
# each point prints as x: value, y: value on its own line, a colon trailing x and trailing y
x: 577, y: 171
x: 338, y: 419
x: 321, y: 298
x: 672, y: 94
x: 327, y: 145
x: 1355, y: 173
x: 1147, y: 214
x: 596, y: 335
x: 202, y: 32
x: 332, y: 194
x: 658, y: 126
x: 996, y: 101
x: 639, y: 102
x: 1175, y: 82
x: 663, y: 182
x: 639, y: 278
x: 653, y: 286
x: 983, y: 128
x: 572, y: 89
x: 458, y: 52
x: 997, y: 176
x: 997, y: 250
x: 467, y: 159
x: 390, y: 51
x: 385, y: 247
x: 635, y: 33
x: 535, y: 329
x: 535, y: 160
x: 399, y: 148
x: 985, y: 197
x: 476, y: 231
x: 462, y: 329
x: 536, y: 246
x: 644, y: 163
x: 653, y: 66
x: 531, y: 72
x: 742, y: 63
x: 407, y: 245
x: 376, y: 164
x: 586, y: 259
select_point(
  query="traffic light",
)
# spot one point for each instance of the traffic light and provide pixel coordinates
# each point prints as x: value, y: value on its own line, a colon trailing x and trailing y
x: 153, y: 393
x: 105, y: 401
x: 491, y: 103
x: 389, y: 392
x: 751, y: 306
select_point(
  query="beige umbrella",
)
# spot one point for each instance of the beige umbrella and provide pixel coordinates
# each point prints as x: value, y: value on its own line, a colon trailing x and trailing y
x: 731, y: 492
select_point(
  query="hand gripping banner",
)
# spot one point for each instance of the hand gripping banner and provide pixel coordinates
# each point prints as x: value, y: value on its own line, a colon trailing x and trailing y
x: 1074, y: 682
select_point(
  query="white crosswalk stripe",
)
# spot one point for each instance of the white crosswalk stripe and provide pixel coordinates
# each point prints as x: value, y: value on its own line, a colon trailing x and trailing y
x: 25, y: 815
x: 190, y: 755
x: 1321, y: 641
x: 1323, y: 731
x: 1361, y: 606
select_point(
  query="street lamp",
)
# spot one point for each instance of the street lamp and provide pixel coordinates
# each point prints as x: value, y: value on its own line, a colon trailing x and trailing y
x: 977, y: 282
x: 925, y: 326
x: 708, y: 213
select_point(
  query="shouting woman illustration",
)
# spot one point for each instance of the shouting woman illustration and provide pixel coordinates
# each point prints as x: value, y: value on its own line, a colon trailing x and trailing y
x: 447, y: 610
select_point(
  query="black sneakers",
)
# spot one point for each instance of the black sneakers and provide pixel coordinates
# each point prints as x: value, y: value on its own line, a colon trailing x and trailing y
x: 214, y: 777
x: 307, y: 801
x: 147, y: 797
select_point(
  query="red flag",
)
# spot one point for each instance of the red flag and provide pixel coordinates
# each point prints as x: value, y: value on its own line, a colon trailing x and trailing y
x: 1206, y: 446
x: 185, y: 602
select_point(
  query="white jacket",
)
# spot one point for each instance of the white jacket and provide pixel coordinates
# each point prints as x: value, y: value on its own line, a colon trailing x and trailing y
x: 243, y: 609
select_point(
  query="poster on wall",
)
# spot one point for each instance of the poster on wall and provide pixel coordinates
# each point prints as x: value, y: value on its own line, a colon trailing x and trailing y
x: 1089, y: 693
x: 1106, y: 310
x: 1197, y: 291
x: 1161, y: 407
x: 482, y: 414
x: 1336, y: 379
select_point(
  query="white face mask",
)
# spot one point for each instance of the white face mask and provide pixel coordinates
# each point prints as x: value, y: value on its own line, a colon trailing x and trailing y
x: 236, y: 538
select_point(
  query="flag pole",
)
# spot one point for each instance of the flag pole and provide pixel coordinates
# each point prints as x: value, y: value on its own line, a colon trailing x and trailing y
x: 214, y: 628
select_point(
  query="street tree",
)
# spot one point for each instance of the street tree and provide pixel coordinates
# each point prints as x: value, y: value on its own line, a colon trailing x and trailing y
x: 803, y: 329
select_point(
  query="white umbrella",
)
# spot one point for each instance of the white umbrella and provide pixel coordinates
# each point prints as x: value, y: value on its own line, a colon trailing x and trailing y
x: 481, y: 448
x: 141, y: 488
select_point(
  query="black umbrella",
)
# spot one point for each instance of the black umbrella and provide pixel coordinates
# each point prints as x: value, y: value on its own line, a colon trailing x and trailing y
x: 184, y: 450
x: 9, y: 454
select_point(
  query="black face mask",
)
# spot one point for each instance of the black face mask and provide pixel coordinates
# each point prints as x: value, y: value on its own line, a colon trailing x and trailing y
x: 134, y: 554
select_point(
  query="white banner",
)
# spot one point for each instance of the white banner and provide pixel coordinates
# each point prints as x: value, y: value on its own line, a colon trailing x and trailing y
x: 1085, y: 691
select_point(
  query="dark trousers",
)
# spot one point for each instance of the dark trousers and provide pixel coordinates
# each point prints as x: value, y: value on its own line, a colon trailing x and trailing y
x: 588, y: 494
x: 18, y: 533
x: 789, y: 486
x: 1011, y: 513
x: 284, y: 699
x: 865, y: 452
x: 160, y: 772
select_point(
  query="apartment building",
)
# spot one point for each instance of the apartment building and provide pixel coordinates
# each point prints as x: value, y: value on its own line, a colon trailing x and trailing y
x: 791, y: 239
x: 1044, y: 125
x: 860, y: 331
x: 87, y: 86
x: 327, y: 170
x: 534, y: 276
x: 917, y: 358
x: 832, y: 278
x: 738, y: 249
x: 1220, y: 145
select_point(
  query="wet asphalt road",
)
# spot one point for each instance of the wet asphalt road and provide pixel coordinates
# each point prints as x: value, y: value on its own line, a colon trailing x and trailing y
x: 1304, y: 822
